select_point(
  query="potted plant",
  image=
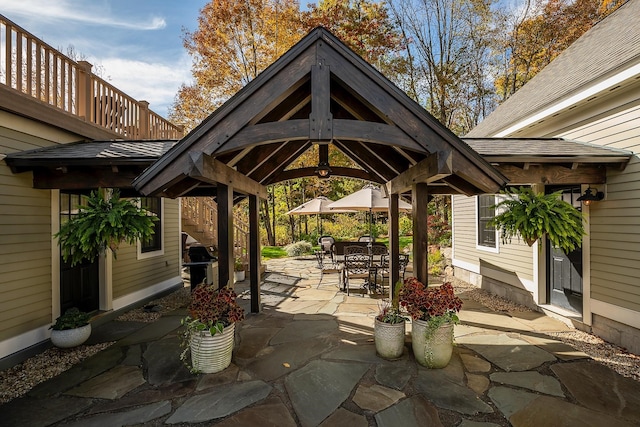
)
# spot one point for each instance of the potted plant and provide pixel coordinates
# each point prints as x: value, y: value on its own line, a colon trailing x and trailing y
x: 389, y: 330
x: 434, y: 312
x: 238, y: 270
x: 71, y: 329
x: 104, y: 222
x: 209, y: 329
x: 533, y: 215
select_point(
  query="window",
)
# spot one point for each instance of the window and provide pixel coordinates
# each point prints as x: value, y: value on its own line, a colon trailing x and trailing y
x: 154, y: 242
x: 486, y: 212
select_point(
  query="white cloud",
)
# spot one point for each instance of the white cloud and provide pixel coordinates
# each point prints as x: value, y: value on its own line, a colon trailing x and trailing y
x: 63, y: 10
x: 156, y: 83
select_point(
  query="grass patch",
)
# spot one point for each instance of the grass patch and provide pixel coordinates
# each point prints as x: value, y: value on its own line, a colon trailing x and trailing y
x: 271, y: 252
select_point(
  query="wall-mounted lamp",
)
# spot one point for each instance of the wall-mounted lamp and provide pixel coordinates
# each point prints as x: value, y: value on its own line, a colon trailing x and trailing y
x: 323, y: 170
x: 589, y: 197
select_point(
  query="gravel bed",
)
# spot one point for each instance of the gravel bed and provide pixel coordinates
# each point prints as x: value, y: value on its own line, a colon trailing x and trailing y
x: 18, y: 380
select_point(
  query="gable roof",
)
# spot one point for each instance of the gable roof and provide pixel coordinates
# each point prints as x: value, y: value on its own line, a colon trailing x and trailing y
x: 319, y: 92
x: 610, y: 47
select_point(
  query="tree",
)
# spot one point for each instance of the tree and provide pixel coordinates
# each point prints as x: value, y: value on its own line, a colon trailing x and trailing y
x: 448, y: 48
x: 234, y: 42
x: 541, y: 32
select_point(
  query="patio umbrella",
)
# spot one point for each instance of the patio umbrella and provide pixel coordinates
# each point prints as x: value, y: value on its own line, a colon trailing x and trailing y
x: 369, y: 199
x: 316, y: 206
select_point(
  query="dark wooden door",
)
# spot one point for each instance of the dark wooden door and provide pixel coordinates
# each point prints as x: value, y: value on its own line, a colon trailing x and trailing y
x: 79, y: 285
x: 564, y: 270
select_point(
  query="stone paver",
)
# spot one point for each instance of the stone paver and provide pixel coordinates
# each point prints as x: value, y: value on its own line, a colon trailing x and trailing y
x: 112, y: 384
x: 375, y: 398
x: 221, y: 402
x: 599, y: 388
x: 510, y: 354
x: 529, y: 380
x: 319, y: 388
x: 309, y: 359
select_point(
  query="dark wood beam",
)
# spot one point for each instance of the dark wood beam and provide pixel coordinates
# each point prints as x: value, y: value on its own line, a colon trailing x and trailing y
x: 320, y: 120
x: 208, y: 169
x: 183, y: 187
x: 225, y: 236
x: 434, y: 168
x: 279, y: 160
x: 335, y: 171
x: 379, y: 133
x: 81, y: 179
x: 394, y: 244
x: 350, y: 150
x: 254, y: 253
x: 553, y: 174
x: 367, y: 159
x: 420, y: 199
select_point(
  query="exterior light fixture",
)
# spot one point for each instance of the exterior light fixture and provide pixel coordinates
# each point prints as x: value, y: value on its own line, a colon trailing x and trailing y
x: 323, y: 170
x: 588, y: 197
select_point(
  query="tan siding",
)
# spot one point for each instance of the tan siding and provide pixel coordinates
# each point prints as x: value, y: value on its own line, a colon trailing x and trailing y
x: 614, y: 226
x: 515, y: 257
x: 132, y: 275
x: 25, y: 244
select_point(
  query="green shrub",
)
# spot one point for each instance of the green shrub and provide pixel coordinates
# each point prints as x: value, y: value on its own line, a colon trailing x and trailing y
x: 298, y: 248
x: 435, y: 262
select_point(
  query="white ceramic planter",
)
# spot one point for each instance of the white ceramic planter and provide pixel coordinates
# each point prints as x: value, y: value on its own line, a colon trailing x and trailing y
x: 389, y: 338
x: 210, y: 354
x: 434, y: 351
x: 238, y: 276
x: 70, y: 337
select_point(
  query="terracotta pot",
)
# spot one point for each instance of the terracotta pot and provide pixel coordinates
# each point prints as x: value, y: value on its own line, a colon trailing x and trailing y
x: 212, y: 353
x: 389, y: 338
x: 68, y: 338
x: 434, y: 351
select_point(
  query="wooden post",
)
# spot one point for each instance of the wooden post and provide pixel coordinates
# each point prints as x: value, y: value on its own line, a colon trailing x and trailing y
x: 144, y: 121
x: 85, y: 91
x: 254, y: 253
x: 394, y: 244
x: 420, y: 200
x: 225, y: 235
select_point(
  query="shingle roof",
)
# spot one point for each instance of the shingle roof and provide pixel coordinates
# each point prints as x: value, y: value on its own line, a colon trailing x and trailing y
x: 607, y: 48
x: 544, y: 149
x: 94, y: 152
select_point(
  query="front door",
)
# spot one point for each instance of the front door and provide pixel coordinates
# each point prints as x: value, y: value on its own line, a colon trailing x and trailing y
x: 564, y: 270
x: 79, y: 285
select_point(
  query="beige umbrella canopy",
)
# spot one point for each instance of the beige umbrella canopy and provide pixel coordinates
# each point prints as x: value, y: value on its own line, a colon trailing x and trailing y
x: 370, y: 198
x: 316, y: 206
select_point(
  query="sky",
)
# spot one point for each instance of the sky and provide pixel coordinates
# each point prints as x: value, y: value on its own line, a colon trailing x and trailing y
x: 136, y: 43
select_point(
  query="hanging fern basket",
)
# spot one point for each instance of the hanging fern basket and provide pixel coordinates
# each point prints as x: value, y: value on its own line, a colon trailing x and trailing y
x: 104, y: 222
x: 531, y: 216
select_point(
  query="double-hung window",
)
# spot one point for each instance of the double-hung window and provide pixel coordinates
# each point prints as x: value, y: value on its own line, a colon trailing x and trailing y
x: 485, y: 231
x: 153, y: 205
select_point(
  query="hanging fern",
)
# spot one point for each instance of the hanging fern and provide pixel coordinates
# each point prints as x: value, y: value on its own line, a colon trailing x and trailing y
x: 532, y: 216
x: 103, y: 223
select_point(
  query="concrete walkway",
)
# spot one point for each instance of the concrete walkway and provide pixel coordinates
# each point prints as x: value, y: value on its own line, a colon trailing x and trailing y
x: 309, y: 360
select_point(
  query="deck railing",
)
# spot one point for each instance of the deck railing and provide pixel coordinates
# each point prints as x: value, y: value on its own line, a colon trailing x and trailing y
x: 30, y: 66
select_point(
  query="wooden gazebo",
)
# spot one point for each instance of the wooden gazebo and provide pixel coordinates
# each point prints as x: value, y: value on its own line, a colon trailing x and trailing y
x: 319, y: 92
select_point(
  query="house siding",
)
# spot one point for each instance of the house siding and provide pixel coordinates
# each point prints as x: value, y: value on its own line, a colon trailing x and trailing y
x: 614, y: 223
x: 25, y: 240
x: 511, y: 264
x: 131, y: 275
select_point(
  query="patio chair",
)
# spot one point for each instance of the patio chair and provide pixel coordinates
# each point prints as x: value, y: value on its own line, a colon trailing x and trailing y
x: 326, y: 267
x: 366, y: 238
x: 380, y: 274
x: 354, y: 249
x: 325, y: 243
x: 356, y: 266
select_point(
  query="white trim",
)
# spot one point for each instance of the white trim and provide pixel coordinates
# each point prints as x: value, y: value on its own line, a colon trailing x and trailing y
x: 479, y: 247
x: 466, y: 265
x: 586, y: 263
x: 134, y: 297
x: 23, y: 341
x: 615, y: 312
x: 146, y: 255
x: 581, y: 96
